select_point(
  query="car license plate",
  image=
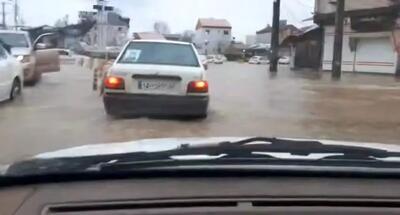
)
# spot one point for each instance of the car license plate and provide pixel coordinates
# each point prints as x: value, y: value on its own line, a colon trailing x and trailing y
x: 156, y: 85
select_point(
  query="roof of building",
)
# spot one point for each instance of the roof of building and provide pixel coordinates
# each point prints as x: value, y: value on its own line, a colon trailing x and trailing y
x: 311, y: 32
x: 148, y: 36
x: 265, y: 30
x: 260, y: 46
x: 213, y: 23
x: 268, y: 29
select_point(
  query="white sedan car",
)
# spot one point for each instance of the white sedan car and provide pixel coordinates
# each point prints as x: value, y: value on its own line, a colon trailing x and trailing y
x: 156, y: 77
x: 11, y: 75
x: 259, y: 60
x: 284, y: 60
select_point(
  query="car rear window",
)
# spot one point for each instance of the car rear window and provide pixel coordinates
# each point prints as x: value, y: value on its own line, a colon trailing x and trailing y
x: 159, y: 53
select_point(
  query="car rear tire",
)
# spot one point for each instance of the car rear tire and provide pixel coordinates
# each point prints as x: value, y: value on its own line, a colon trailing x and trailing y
x: 15, y: 89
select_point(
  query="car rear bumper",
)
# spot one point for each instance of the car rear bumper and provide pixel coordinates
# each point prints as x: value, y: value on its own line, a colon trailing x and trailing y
x: 141, y: 104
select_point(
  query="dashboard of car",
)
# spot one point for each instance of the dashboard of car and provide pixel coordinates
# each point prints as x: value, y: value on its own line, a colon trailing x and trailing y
x: 213, y: 195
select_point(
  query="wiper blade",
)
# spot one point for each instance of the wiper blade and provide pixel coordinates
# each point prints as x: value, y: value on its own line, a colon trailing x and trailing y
x: 252, y: 150
x: 307, y: 147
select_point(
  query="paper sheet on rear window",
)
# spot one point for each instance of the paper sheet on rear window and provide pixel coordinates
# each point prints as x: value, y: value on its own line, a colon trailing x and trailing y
x: 132, y: 55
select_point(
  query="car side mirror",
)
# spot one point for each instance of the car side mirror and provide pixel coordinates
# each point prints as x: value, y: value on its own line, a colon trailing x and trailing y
x: 205, y: 66
x: 40, y: 46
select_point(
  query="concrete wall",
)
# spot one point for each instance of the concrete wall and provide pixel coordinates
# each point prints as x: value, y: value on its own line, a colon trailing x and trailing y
x: 373, y: 52
x: 217, y: 40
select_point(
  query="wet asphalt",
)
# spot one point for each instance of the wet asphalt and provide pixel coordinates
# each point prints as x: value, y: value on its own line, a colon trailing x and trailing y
x: 246, y: 100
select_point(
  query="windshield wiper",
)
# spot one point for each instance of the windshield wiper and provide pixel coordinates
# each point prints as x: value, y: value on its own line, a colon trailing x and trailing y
x: 257, y: 150
x: 307, y: 147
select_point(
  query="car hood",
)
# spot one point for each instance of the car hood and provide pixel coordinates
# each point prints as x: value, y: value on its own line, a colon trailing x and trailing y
x: 20, y: 51
x: 155, y: 145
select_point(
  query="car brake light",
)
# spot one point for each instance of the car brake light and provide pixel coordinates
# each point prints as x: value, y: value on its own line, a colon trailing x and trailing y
x: 198, y: 87
x: 115, y: 83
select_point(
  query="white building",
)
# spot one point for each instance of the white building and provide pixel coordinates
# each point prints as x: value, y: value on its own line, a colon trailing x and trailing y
x: 116, y: 29
x: 369, y: 41
x: 212, y: 36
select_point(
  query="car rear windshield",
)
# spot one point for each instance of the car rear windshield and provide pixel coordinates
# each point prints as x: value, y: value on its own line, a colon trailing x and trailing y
x: 159, y: 53
x: 14, y: 40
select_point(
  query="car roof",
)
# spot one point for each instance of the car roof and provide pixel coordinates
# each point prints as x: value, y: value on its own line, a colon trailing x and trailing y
x: 160, y: 41
x: 14, y: 32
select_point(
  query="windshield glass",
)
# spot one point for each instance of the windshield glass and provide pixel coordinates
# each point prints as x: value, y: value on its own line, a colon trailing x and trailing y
x: 14, y: 40
x: 121, y: 76
x: 159, y: 53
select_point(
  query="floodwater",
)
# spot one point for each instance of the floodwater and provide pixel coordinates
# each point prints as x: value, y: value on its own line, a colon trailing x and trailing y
x: 246, y: 100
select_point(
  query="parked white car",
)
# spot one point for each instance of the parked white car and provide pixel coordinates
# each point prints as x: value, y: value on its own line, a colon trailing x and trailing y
x: 11, y: 75
x: 218, y: 59
x: 210, y: 58
x: 259, y: 60
x: 284, y: 60
x: 156, y: 77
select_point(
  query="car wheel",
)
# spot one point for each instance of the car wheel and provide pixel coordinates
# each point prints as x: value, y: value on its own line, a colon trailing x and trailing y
x: 15, y: 89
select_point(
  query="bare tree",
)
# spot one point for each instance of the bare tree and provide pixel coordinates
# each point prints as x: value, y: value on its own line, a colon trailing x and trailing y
x: 161, y: 27
x: 188, y: 36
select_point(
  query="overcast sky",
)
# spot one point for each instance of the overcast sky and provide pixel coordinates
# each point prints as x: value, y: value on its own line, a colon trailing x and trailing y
x: 246, y: 16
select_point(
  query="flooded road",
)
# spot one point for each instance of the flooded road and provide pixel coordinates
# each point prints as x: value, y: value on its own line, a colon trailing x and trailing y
x: 246, y: 100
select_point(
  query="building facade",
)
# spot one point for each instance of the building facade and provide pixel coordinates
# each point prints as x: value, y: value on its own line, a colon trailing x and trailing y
x: 263, y: 36
x: 369, y: 39
x: 115, y: 29
x: 213, y: 36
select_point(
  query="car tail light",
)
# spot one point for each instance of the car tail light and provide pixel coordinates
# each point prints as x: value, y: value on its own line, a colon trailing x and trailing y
x: 115, y: 83
x: 198, y: 87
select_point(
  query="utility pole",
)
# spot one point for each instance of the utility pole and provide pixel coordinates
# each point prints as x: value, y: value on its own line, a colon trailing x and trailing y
x: 273, y: 66
x: 338, y: 44
x: 3, y: 9
x: 16, y: 14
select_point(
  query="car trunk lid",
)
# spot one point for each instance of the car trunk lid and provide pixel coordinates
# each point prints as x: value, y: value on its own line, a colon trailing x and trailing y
x: 156, y: 79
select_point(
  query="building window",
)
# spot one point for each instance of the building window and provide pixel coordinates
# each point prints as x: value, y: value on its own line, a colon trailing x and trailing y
x: 226, y: 32
x: 208, y: 31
